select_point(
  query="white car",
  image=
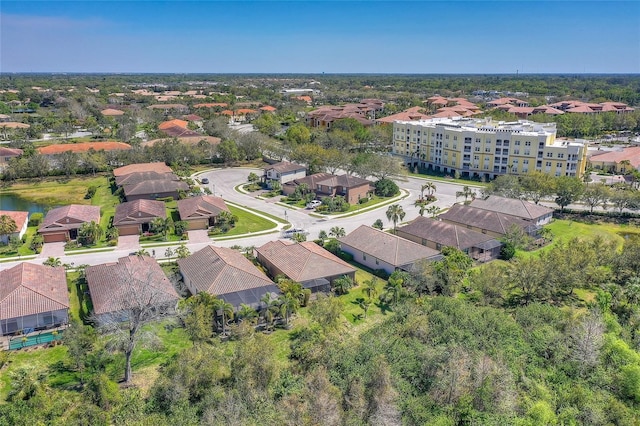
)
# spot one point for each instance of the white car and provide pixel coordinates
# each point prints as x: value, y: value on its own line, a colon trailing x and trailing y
x: 289, y: 233
x: 313, y: 204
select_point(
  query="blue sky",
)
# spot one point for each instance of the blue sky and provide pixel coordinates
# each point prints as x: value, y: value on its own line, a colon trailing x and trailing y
x: 320, y: 36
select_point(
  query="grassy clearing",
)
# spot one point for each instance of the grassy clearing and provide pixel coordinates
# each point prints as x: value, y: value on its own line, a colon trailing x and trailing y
x: 247, y: 222
x: 59, y: 191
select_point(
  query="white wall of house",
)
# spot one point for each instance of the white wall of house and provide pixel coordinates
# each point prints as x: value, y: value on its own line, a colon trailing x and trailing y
x: 367, y: 260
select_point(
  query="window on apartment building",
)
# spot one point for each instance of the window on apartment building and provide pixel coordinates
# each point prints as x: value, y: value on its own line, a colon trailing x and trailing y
x: 487, y: 149
x: 527, y: 152
x: 517, y: 143
x: 446, y: 137
x: 455, y: 138
x: 515, y: 161
x: 486, y: 167
x: 527, y: 143
x: 548, y: 164
x: 560, y: 155
x: 455, y: 146
x: 476, y: 157
x: 524, y: 170
x: 525, y: 161
x: 516, y: 152
x: 478, y: 140
x: 364, y: 256
x: 558, y: 164
x: 477, y: 149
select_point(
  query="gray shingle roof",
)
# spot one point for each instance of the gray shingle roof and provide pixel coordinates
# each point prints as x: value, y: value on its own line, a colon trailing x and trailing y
x: 446, y: 234
x: 285, y: 167
x: 139, y: 211
x: 29, y: 289
x: 115, y: 287
x: 201, y: 206
x: 221, y: 270
x: 137, y: 177
x: 512, y: 206
x: 344, y: 181
x: 484, y: 219
x: 304, y: 261
x: 387, y: 247
x: 155, y: 187
x: 159, y: 167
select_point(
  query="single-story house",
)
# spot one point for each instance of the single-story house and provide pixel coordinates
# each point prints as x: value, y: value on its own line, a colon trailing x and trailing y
x: 328, y: 185
x: 487, y: 222
x: 153, y: 189
x: 33, y: 297
x: 6, y: 154
x: 283, y: 172
x: 132, y: 281
x: 227, y: 274
x: 134, y: 217
x: 60, y: 148
x: 201, y: 212
x: 621, y: 161
x: 137, y: 177
x: 22, y: 221
x: 436, y: 234
x: 62, y: 223
x: 158, y: 167
x: 307, y: 263
x: 377, y: 249
x: 535, y: 213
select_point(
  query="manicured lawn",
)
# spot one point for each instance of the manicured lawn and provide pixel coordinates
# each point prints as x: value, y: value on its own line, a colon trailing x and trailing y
x: 247, y: 222
x: 59, y: 191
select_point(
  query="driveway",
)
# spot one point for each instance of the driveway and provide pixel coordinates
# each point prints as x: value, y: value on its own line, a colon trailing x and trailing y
x: 199, y: 236
x: 52, y: 250
x: 129, y: 242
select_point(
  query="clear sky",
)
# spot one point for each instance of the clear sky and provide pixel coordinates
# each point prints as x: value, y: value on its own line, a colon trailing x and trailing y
x: 320, y: 36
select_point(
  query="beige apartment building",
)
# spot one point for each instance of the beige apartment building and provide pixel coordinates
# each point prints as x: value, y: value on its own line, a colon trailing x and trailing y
x: 485, y: 148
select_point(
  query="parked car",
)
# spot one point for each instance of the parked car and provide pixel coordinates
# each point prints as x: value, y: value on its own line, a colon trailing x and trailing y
x: 313, y: 204
x: 289, y: 233
x: 204, y: 180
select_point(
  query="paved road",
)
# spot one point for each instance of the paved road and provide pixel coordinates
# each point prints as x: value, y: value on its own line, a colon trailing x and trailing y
x: 223, y: 183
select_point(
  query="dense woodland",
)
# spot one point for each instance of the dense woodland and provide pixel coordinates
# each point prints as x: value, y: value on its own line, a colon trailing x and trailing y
x: 546, y: 337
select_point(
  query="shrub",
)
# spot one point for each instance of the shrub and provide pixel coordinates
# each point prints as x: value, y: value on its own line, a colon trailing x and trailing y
x: 386, y: 188
x: 36, y: 219
x: 165, y: 199
x: 363, y: 200
x: 347, y: 257
x: 180, y: 227
x: 507, y: 251
x: 91, y: 191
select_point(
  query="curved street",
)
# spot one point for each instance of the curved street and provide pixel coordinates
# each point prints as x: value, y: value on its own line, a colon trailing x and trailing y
x: 223, y: 183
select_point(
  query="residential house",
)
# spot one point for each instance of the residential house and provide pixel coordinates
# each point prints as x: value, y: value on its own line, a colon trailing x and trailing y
x: 487, y: 222
x: 82, y: 147
x: 21, y: 219
x: 436, y: 234
x: 134, y: 217
x: 154, y: 189
x: 62, y: 223
x: 137, y: 177
x: 132, y: 281
x: 377, y: 249
x: 6, y: 154
x: 159, y: 167
x: 534, y: 213
x: 32, y: 297
x: 112, y: 112
x: 166, y: 108
x: 307, y: 263
x: 283, y: 172
x: 201, y: 212
x: 226, y: 274
x: 327, y: 185
x: 620, y: 161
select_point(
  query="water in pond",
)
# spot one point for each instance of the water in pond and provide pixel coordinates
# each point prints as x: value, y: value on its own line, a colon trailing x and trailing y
x: 11, y: 202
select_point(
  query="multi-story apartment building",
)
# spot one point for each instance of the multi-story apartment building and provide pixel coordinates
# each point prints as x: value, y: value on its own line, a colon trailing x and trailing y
x: 486, y: 148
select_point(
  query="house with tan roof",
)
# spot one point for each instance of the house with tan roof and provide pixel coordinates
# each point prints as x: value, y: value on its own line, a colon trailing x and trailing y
x: 137, y: 177
x: 6, y: 154
x: 352, y: 188
x: 62, y: 223
x: 534, y: 213
x: 33, y: 297
x: 268, y: 108
x: 487, y: 222
x: 173, y: 123
x: 212, y: 105
x: 166, y: 108
x: 159, y: 167
x: 21, y: 220
x: 112, y: 112
x: 283, y: 172
x: 437, y: 234
x: 134, y: 217
x: 620, y: 161
x: 83, y: 147
x: 202, y: 211
x: 118, y: 287
x: 226, y: 274
x: 377, y: 249
x: 154, y: 189
x: 307, y: 263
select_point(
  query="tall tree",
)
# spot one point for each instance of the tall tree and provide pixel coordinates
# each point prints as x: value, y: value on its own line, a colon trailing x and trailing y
x: 7, y: 225
x: 569, y: 189
x: 595, y: 195
x: 395, y: 213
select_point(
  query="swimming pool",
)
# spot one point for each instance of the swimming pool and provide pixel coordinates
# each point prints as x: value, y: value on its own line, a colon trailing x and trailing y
x: 43, y: 337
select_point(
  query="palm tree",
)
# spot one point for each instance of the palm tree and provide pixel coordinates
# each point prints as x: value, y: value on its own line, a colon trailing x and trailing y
x: 247, y: 313
x: 466, y: 193
x: 364, y: 304
x: 371, y: 287
x: 392, y: 290
x: 225, y: 310
x: 430, y: 187
x: 271, y: 307
x: 288, y: 305
x: 337, y: 232
x: 342, y: 285
x: 142, y: 252
x: 395, y: 213
x: 322, y: 235
x: 54, y: 262
x: 422, y: 205
x: 433, y: 211
x: 162, y: 225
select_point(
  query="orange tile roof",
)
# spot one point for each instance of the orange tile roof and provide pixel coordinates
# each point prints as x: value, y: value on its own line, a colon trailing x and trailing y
x: 172, y: 123
x: 304, y: 98
x: 82, y: 147
x: 14, y: 125
x: 632, y: 154
x: 227, y: 112
x: 159, y: 167
x: 111, y: 112
x: 244, y: 111
x: 268, y: 108
x: 211, y: 105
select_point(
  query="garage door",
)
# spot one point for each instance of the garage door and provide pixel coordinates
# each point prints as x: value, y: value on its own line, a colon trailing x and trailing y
x: 54, y: 238
x: 128, y: 230
x: 198, y: 224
